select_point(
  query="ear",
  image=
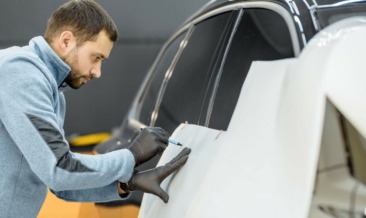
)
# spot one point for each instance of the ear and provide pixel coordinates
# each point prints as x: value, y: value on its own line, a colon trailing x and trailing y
x: 66, y: 42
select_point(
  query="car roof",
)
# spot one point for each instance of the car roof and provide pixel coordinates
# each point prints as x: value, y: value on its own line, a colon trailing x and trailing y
x: 306, y: 10
x: 311, y: 3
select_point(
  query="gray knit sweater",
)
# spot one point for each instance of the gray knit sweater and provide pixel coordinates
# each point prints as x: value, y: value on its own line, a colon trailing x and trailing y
x: 34, y: 154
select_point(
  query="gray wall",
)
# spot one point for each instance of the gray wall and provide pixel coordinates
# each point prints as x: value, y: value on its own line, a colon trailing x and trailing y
x: 143, y: 27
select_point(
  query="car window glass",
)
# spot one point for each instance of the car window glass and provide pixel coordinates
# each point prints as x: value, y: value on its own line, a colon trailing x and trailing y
x: 261, y: 35
x: 158, y: 75
x: 186, y: 89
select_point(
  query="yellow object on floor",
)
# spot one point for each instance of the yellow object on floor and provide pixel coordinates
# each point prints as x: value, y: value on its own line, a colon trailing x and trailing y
x: 54, y: 207
x: 90, y: 139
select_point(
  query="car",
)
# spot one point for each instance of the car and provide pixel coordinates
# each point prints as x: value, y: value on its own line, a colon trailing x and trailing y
x: 199, y: 73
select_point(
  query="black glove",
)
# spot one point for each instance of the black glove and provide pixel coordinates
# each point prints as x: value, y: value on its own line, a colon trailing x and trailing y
x: 150, y: 141
x: 149, y: 181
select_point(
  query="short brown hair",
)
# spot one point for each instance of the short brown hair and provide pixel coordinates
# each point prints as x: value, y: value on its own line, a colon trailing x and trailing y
x: 84, y: 18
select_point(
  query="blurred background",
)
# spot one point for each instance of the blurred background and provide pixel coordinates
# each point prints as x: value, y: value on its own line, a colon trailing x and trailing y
x: 143, y: 28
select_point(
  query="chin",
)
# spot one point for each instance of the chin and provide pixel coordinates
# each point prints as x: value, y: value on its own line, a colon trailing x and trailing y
x: 75, y: 86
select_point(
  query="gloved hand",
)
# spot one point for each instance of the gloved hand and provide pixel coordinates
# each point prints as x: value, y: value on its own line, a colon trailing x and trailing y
x: 149, y: 142
x: 149, y: 181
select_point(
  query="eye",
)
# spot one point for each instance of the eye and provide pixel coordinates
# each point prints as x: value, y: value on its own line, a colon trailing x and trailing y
x: 96, y: 58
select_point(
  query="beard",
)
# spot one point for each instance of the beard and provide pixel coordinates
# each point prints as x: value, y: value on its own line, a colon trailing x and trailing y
x: 75, y: 78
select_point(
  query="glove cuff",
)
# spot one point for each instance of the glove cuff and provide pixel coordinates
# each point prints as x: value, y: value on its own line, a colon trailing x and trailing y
x: 136, y: 154
x: 130, y: 185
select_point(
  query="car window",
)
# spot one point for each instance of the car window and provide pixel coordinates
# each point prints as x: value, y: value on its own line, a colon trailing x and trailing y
x: 261, y: 35
x: 327, y: 15
x: 186, y: 90
x: 152, y: 91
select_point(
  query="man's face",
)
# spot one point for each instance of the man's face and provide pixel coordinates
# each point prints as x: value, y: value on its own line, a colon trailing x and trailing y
x: 86, y: 60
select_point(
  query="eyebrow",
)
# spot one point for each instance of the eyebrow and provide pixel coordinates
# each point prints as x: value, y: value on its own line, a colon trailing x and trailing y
x: 102, y: 56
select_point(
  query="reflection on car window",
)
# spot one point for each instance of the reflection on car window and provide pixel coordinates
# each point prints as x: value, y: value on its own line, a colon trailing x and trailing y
x: 159, y: 72
x: 261, y: 35
x: 186, y: 90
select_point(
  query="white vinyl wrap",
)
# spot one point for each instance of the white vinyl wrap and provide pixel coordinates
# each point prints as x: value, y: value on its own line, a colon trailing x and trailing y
x: 265, y: 164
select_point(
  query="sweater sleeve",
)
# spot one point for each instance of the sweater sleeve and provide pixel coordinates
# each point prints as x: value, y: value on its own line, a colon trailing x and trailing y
x: 27, y: 111
x: 103, y: 194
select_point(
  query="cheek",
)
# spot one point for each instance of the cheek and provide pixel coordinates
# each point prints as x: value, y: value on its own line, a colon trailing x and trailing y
x: 84, y: 64
x: 84, y: 67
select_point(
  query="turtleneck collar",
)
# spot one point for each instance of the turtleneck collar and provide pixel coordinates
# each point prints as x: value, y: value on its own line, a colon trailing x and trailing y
x: 54, y: 63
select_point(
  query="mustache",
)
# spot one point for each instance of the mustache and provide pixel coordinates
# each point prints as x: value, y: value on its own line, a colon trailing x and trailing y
x: 90, y: 77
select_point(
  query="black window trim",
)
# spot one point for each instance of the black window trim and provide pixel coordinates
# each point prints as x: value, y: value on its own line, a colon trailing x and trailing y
x: 140, y: 96
x: 168, y: 74
x: 219, y: 73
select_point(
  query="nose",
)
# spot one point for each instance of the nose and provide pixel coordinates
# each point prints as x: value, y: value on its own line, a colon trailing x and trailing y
x: 96, y: 71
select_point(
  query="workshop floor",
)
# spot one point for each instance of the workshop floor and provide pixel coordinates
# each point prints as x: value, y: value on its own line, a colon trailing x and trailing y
x: 57, y: 208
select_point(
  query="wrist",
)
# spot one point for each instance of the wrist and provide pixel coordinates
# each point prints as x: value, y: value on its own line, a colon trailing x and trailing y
x: 134, y: 155
x: 123, y: 190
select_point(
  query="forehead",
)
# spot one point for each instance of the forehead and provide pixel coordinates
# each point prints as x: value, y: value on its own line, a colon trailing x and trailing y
x: 102, y: 44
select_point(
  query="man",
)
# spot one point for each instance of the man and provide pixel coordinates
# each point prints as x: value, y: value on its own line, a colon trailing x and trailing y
x: 34, y: 154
